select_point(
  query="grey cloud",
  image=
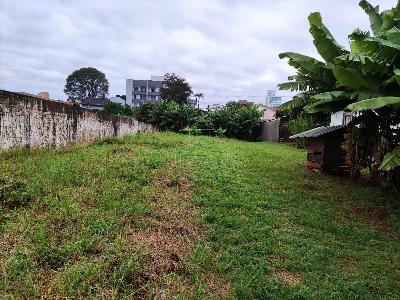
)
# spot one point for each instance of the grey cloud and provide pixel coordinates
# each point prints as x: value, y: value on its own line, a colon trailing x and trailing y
x: 224, y: 48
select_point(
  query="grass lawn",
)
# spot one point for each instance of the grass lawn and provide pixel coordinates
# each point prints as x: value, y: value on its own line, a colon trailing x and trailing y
x: 169, y: 216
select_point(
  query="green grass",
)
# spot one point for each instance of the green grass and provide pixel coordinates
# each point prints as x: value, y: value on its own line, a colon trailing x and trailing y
x: 189, y: 217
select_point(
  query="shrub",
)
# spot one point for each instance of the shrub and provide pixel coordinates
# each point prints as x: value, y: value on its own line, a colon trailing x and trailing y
x: 117, y: 109
x: 301, y: 123
x: 192, y: 130
x: 220, y: 132
x: 238, y: 121
x: 168, y: 115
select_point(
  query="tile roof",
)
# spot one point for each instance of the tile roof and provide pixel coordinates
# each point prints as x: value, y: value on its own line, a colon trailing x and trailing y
x: 316, y: 132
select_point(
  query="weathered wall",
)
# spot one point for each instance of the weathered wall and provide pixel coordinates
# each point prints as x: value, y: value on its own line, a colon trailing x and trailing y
x: 270, y: 131
x: 27, y: 121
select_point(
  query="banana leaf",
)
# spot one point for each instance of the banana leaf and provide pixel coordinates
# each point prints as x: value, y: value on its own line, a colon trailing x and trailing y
x: 391, y: 160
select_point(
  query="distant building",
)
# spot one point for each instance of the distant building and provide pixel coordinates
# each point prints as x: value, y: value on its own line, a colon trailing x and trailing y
x: 118, y: 99
x: 267, y: 112
x: 212, y: 107
x: 93, y: 103
x: 41, y: 95
x: 44, y: 95
x: 342, y: 118
x: 271, y: 100
x: 245, y: 102
x: 143, y: 91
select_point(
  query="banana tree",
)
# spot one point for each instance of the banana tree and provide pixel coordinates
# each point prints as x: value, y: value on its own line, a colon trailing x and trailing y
x: 363, y: 79
x: 313, y: 76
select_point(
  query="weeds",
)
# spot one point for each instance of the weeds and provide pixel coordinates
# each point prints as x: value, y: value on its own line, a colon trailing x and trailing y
x: 190, y: 217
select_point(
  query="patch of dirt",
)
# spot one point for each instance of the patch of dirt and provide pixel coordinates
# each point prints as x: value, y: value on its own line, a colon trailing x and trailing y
x: 379, y: 218
x: 289, y: 277
x: 349, y: 265
x: 341, y: 218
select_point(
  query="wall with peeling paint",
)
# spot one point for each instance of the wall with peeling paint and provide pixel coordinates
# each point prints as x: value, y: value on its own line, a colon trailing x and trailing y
x: 27, y: 121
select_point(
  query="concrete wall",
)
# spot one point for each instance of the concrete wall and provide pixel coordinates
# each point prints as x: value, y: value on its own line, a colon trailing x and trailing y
x: 270, y: 131
x: 27, y: 121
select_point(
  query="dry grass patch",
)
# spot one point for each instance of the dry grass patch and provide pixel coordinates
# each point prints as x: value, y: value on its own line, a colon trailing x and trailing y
x: 169, y: 235
x: 289, y: 277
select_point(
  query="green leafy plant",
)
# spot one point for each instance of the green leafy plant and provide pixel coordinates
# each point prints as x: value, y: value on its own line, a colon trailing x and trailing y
x: 220, y: 132
x: 192, y: 130
x: 117, y: 109
x: 302, y: 123
x: 364, y: 80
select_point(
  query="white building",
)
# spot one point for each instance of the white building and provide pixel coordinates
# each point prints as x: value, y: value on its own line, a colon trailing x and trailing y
x: 272, y: 100
x: 216, y: 106
x: 143, y: 91
x: 118, y: 100
x: 341, y: 118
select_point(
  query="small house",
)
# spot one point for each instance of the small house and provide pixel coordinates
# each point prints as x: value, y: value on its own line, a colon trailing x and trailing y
x: 94, y: 103
x: 324, y: 148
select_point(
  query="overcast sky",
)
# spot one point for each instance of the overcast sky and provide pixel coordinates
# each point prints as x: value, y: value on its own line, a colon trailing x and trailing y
x: 227, y: 49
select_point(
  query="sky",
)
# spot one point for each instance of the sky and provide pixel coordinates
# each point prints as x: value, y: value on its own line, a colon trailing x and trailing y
x: 226, y: 49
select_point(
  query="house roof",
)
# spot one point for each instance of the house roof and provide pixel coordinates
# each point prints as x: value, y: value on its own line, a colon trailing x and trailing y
x: 317, y: 132
x: 94, y: 101
x: 263, y: 106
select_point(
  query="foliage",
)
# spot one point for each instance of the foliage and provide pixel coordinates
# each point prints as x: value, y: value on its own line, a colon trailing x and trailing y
x: 220, y: 132
x: 239, y: 121
x: 191, y: 217
x: 375, y: 103
x: 175, y: 88
x: 168, y: 115
x: 192, y: 130
x: 117, y: 109
x: 391, y: 160
x: 302, y: 123
x: 86, y: 83
x: 365, y: 79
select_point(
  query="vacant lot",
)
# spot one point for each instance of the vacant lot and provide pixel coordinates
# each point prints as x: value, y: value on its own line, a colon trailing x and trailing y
x: 170, y: 216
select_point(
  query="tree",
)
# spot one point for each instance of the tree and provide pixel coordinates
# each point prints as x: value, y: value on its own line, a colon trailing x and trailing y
x: 175, y: 88
x: 86, y: 83
x: 198, y: 96
x: 365, y: 80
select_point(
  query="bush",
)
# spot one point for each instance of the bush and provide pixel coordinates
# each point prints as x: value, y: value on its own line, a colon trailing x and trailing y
x: 168, y: 115
x: 237, y: 121
x: 241, y: 122
x: 117, y: 109
x: 192, y: 130
x: 220, y: 132
x: 301, y: 123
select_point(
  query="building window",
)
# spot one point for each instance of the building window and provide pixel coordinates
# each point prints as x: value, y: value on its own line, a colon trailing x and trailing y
x: 143, y: 89
x: 136, y: 88
x: 137, y: 97
x: 157, y: 98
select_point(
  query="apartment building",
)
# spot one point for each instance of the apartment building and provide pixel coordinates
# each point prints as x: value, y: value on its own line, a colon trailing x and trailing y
x: 143, y: 91
x: 272, y: 100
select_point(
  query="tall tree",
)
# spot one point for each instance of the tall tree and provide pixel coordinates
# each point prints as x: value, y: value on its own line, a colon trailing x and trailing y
x: 86, y: 83
x: 175, y: 88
